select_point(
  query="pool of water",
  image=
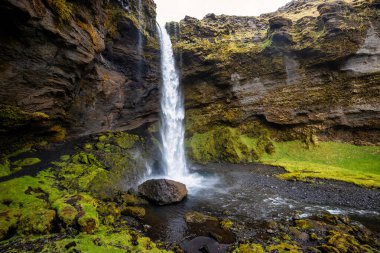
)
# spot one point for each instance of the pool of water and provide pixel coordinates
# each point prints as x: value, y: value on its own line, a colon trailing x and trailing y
x: 251, y: 194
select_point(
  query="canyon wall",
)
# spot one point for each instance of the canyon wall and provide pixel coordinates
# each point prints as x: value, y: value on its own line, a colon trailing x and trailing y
x: 311, y: 68
x: 74, y: 68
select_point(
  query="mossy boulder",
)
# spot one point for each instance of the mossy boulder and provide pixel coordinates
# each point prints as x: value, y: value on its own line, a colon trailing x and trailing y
x: 39, y: 221
x: 163, y: 191
x: 78, y: 209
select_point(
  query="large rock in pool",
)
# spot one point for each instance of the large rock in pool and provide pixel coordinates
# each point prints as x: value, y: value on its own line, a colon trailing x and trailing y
x: 163, y: 191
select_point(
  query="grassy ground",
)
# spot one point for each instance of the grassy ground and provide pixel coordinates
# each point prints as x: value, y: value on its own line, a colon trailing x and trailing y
x: 328, y: 160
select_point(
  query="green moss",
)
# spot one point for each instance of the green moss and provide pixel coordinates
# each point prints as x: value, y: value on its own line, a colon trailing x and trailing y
x: 135, y: 211
x: 65, y: 158
x: 5, y: 167
x: 226, y: 144
x: 80, y: 208
x: 283, y: 247
x: 226, y: 224
x: 106, y: 240
x: 12, y: 116
x: 197, y: 217
x: 110, y: 212
x: 249, y: 248
x: 79, y: 171
x: 125, y: 140
x: 130, y: 199
x: 25, y: 201
x: 58, y: 133
x: 328, y: 160
x: 37, y: 221
x: 26, y: 162
x: 102, y: 138
x: 8, y: 221
x: 62, y: 8
x: 88, y: 146
x: 302, y: 224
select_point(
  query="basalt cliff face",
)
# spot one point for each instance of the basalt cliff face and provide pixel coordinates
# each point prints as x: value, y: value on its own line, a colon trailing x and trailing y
x: 75, y: 67
x: 311, y: 68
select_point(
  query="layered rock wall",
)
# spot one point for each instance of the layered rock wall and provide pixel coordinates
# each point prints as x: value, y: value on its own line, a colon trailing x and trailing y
x: 310, y: 67
x: 77, y: 64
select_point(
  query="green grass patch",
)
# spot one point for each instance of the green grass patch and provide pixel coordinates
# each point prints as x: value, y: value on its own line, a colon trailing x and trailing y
x: 328, y: 160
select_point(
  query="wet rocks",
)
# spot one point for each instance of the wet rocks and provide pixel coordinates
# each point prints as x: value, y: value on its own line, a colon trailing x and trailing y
x: 205, y: 225
x: 163, y: 191
x: 197, y: 217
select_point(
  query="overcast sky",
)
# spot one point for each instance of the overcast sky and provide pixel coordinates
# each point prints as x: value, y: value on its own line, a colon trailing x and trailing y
x: 175, y: 10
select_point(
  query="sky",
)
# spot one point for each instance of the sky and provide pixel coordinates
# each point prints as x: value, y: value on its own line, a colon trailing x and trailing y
x: 175, y: 10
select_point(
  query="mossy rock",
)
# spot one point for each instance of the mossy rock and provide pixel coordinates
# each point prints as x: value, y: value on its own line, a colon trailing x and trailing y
x: 125, y: 140
x: 26, y: 162
x: 134, y: 211
x: 39, y: 221
x: 249, y: 248
x: 8, y: 222
x: 78, y: 208
x: 227, y: 144
x: 197, y: 217
x: 108, y: 212
x: 302, y: 224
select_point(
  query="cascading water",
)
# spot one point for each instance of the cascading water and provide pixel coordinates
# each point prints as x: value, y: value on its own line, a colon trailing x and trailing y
x: 173, y: 113
x: 172, y: 125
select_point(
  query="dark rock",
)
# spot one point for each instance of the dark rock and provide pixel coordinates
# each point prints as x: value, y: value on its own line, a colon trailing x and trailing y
x: 163, y: 191
x: 70, y: 245
x: 203, y: 244
x: 279, y: 22
x: 81, y: 73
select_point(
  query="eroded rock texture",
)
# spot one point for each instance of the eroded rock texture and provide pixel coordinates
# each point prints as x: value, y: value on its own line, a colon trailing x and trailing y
x: 78, y: 63
x: 310, y: 67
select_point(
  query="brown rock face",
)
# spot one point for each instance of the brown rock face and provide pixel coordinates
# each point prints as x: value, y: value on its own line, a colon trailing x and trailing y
x: 78, y: 62
x: 163, y: 191
x: 310, y: 66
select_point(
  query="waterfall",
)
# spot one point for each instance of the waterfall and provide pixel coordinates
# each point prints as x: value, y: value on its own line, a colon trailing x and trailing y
x: 172, y: 112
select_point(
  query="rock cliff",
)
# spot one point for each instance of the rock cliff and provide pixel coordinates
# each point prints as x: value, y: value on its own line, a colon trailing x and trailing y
x: 76, y: 67
x: 311, y: 68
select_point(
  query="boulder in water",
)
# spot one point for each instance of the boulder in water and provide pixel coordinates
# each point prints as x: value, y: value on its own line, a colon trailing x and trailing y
x: 163, y: 191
